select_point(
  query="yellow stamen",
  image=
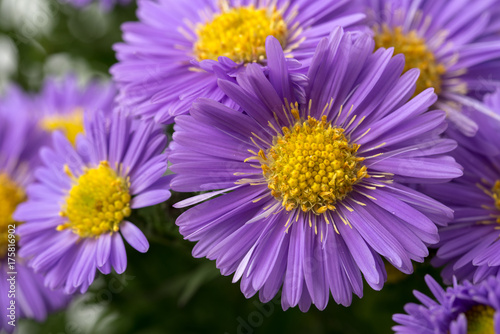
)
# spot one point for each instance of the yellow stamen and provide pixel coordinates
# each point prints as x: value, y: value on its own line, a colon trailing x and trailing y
x: 71, y: 124
x: 480, y: 320
x: 11, y: 195
x: 312, y: 166
x: 417, y: 55
x: 239, y: 33
x: 97, y: 203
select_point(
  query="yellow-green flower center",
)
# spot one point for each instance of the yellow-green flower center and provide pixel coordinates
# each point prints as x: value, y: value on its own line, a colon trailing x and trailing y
x: 312, y: 166
x: 11, y: 195
x: 495, y: 193
x: 97, y: 203
x: 240, y: 34
x: 480, y: 320
x: 71, y: 124
x: 417, y: 55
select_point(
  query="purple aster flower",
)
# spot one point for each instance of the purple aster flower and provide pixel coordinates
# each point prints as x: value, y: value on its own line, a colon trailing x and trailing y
x: 309, y: 195
x: 469, y: 246
x: 486, y: 140
x: 169, y: 57
x: 461, y: 309
x: 20, y: 140
x: 106, y: 5
x: 60, y: 105
x: 76, y: 213
x: 454, y: 43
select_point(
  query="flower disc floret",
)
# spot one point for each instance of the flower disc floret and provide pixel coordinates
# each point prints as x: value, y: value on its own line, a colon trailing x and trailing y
x: 11, y: 195
x: 495, y: 193
x: 240, y: 34
x: 312, y: 166
x: 417, y: 55
x: 97, y: 203
x: 70, y: 124
x: 480, y: 319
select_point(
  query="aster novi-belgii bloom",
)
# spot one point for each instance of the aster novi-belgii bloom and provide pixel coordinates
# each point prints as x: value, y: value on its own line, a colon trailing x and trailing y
x: 311, y: 193
x: 488, y: 135
x: 106, y: 5
x: 61, y: 103
x: 454, y: 43
x: 20, y: 140
x: 469, y: 246
x: 461, y: 309
x: 76, y: 212
x: 169, y: 57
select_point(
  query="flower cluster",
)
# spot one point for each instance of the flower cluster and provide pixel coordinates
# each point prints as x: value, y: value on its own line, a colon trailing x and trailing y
x: 459, y: 58
x: 469, y: 245
x: 73, y: 168
x: 314, y: 191
x: 319, y: 141
x: 86, y: 195
x: 25, y: 294
x: 462, y: 308
x: 169, y: 58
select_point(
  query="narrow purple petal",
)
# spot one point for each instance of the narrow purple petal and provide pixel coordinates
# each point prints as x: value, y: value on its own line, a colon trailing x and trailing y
x: 118, y: 254
x: 134, y: 236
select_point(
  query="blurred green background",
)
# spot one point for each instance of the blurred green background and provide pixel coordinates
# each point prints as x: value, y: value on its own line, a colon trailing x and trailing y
x: 164, y: 290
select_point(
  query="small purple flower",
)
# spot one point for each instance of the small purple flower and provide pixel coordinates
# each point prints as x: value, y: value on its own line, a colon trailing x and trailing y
x: 61, y: 104
x: 169, y: 57
x: 461, y: 309
x: 20, y: 140
x: 76, y: 213
x: 454, y: 43
x: 309, y: 195
x: 106, y: 5
x: 469, y: 247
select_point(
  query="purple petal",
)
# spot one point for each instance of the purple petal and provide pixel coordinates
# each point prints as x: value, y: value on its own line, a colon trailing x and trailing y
x: 118, y: 254
x: 134, y: 236
x: 103, y: 249
x: 149, y: 198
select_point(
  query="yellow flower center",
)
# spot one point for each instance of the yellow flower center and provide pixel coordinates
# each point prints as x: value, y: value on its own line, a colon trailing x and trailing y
x: 11, y: 195
x: 495, y: 193
x: 97, y: 203
x: 417, y: 55
x: 240, y: 34
x: 70, y: 124
x: 480, y: 320
x: 312, y: 166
